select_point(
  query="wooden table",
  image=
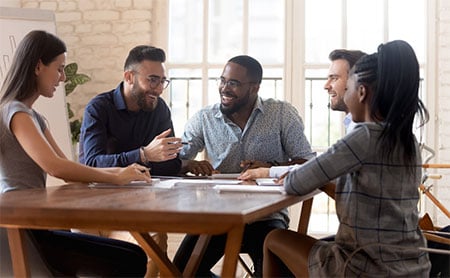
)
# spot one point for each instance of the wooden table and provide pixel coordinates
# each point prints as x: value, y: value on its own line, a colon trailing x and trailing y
x: 194, y: 210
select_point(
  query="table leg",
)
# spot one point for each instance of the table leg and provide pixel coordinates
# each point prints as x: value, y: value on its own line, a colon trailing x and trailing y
x: 152, y: 249
x: 19, y: 256
x: 196, y: 256
x: 232, y: 249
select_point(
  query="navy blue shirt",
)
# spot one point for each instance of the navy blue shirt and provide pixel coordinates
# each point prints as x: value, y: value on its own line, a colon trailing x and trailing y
x: 111, y: 135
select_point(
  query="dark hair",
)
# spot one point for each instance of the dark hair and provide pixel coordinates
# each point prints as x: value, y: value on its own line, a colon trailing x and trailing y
x: 351, y: 56
x: 144, y: 52
x: 20, y: 81
x: 254, y: 68
x: 393, y: 75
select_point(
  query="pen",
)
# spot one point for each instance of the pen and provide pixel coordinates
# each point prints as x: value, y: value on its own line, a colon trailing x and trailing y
x: 247, y: 167
x: 282, y: 177
x: 184, y: 143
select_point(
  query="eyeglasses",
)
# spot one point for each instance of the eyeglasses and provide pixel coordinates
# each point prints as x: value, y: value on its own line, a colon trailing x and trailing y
x: 232, y: 84
x: 155, y: 81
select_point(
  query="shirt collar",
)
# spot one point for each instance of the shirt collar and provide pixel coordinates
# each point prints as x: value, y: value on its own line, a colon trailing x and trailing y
x: 119, y: 100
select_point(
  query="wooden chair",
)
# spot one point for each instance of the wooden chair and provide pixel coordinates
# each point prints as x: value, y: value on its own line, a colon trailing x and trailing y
x: 425, y: 223
x: 302, y: 228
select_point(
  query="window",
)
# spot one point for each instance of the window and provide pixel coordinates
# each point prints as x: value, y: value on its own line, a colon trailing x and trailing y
x: 292, y: 40
x: 204, y: 35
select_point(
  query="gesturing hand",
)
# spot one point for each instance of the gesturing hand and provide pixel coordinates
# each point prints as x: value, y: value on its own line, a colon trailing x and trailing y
x: 163, y: 148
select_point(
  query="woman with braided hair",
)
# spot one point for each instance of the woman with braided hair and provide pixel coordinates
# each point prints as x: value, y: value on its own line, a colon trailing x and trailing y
x: 377, y: 168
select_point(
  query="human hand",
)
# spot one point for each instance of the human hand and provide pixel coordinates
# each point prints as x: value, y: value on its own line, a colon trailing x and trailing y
x: 133, y: 172
x: 280, y: 180
x: 253, y: 164
x: 252, y: 174
x: 163, y: 148
x: 199, y: 168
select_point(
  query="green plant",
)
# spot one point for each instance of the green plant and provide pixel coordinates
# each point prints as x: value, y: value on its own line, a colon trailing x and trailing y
x: 73, y: 79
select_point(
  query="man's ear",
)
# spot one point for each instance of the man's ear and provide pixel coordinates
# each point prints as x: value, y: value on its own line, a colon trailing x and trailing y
x: 362, y: 93
x: 128, y: 76
x: 255, y: 88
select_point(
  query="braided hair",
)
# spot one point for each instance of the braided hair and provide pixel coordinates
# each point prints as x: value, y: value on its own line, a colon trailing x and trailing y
x: 392, y: 73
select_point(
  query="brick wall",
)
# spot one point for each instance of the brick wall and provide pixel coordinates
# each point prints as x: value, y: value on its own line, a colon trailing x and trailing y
x: 442, y: 189
x: 98, y: 35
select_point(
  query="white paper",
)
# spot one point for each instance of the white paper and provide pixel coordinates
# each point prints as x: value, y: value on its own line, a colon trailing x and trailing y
x: 225, y: 176
x: 249, y: 188
x: 267, y: 182
x: 192, y: 182
x: 132, y: 184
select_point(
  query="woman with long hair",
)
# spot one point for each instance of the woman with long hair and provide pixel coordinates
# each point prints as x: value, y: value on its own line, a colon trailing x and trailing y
x: 28, y: 152
x: 378, y: 171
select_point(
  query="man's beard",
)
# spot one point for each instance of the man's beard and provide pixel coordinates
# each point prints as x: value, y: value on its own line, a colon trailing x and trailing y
x: 339, y: 105
x: 228, y: 110
x: 139, y: 96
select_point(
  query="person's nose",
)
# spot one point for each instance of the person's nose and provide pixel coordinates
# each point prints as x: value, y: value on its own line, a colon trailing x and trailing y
x: 62, y: 78
x: 327, y: 86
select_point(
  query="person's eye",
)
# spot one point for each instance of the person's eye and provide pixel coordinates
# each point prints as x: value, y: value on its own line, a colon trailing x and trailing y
x: 233, y: 83
x: 153, y: 79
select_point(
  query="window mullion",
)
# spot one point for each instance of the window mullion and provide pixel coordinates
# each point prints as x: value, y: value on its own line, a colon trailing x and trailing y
x: 205, y: 54
x: 245, y: 16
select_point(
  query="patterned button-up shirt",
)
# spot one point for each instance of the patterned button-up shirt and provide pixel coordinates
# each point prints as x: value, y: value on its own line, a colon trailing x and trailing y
x: 274, y: 132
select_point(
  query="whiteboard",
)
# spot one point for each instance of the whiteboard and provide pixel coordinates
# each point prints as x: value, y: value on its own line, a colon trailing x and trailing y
x: 15, y: 24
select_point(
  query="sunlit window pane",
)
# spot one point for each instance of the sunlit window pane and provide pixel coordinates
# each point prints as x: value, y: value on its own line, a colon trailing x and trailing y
x: 364, y: 24
x: 225, y: 30
x: 185, y: 31
x: 409, y: 26
x: 185, y: 92
x: 323, y: 29
x: 272, y: 85
x: 266, y: 30
x: 213, y: 89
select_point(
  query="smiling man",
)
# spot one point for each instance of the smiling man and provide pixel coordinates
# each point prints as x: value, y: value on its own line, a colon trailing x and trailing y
x: 132, y: 124
x: 242, y: 127
x: 342, y: 60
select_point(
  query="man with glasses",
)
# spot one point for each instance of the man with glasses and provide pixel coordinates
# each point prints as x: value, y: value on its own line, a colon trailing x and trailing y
x: 132, y: 124
x: 243, y: 130
x: 242, y: 127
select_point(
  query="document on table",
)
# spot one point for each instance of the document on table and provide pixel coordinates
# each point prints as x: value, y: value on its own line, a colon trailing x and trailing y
x: 225, y: 176
x: 267, y: 182
x: 194, y: 182
x: 249, y: 188
x: 169, y: 183
x: 133, y: 184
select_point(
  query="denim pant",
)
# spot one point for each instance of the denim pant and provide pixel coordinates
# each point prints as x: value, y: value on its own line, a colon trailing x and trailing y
x: 252, y: 243
x: 74, y: 254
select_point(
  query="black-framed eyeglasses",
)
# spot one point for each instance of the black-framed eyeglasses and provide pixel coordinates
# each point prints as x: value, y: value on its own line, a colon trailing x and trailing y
x: 154, y: 81
x: 232, y: 84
